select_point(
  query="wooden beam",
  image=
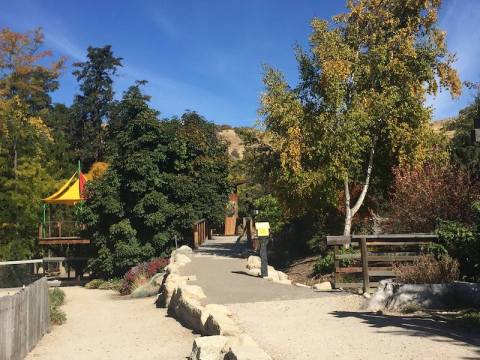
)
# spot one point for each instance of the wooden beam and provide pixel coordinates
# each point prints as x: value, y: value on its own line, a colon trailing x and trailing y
x: 338, y: 240
x: 396, y: 236
x: 63, y: 241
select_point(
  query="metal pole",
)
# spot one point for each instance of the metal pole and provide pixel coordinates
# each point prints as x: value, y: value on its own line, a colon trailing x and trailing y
x: 263, y: 256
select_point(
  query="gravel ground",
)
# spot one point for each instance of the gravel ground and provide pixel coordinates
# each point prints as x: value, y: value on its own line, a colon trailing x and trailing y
x: 336, y: 328
x: 102, y: 325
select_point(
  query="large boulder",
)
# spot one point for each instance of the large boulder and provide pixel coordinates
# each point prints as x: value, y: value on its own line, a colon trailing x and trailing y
x: 186, y: 309
x: 395, y: 296
x: 170, y: 283
x: 181, y: 259
x: 323, y: 286
x: 254, y: 262
x: 184, y: 249
x: 208, y: 347
x: 220, y: 325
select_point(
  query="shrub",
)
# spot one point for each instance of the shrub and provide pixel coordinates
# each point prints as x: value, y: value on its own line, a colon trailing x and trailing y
x: 463, y: 243
x: 113, y: 284
x: 139, y: 275
x: 428, y: 270
x: 94, y: 284
x: 56, y: 298
x: 326, y: 263
x: 421, y: 196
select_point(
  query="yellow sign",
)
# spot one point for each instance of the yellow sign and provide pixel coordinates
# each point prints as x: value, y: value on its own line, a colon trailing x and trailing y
x: 262, y: 228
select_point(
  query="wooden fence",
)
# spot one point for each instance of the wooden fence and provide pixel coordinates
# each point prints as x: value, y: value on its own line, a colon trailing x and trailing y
x: 373, y: 256
x: 24, y: 319
x: 200, y: 233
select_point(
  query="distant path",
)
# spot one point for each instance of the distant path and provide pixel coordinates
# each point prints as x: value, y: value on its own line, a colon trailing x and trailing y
x: 293, y: 323
x: 221, y: 274
x: 102, y: 326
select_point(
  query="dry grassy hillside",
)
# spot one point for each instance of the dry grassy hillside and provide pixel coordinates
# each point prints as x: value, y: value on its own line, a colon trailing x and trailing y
x: 235, y: 143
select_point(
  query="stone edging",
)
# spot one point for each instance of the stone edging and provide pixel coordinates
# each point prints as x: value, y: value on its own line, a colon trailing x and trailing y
x: 222, y: 338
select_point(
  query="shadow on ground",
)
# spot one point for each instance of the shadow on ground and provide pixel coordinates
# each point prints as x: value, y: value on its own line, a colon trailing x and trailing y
x: 417, y: 326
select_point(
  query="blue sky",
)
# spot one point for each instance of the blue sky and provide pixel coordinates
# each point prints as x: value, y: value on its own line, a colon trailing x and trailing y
x: 207, y: 55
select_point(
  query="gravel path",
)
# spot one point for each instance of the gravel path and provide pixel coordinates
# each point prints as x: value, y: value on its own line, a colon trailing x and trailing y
x: 335, y: 328
x: 103, y: 325
x: 293, y: 323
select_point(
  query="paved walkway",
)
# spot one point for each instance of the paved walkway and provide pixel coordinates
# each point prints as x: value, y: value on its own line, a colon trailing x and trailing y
x: 101, y: 325
x: 293, y: 323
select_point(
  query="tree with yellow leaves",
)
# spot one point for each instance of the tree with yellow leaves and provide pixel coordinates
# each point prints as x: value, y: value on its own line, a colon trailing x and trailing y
x: 24, y: 101
x: 359, y: 108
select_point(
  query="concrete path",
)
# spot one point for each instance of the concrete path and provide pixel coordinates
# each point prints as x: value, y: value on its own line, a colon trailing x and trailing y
x: 296, y: 323
x: 101, y: 325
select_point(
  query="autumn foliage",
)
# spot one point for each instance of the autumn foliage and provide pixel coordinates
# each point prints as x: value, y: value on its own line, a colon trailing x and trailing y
x: 423, y: 195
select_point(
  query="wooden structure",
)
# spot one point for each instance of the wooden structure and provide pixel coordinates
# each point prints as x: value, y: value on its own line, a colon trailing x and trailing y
x: 60, y: 233
x: 232, y: 215
x: 200, y: 233
x: 373, y: 256
x: 24, y: 319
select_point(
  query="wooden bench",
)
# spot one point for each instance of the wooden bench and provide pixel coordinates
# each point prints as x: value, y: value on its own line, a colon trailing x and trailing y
x: 375, y: 256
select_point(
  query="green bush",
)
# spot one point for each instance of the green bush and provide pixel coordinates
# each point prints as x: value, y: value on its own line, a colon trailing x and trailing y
x: 56, y: 298
x: 94, y: 284
x: 326, y: 263
x: 57, y: 316
x: 462, y: 243
x: 112, y: 284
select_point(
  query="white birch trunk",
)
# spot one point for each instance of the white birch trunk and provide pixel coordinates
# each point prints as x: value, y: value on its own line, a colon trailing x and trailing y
x: 351, y: 211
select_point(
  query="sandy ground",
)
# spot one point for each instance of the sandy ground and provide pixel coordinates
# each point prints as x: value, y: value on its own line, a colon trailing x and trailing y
x: 335, y: 328
x: 103, y: 325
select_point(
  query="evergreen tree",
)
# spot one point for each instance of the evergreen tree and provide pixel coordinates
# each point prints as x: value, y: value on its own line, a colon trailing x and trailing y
x: 163, y: 176
x: 91, y: 109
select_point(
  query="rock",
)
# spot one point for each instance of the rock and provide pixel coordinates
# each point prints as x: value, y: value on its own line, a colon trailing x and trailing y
x: 284, y: 282
x: 170, y: 283
x: 192, y: 291
x: 171, y: 268
x: 253, y: 272
x: 246, y: 353
x: 366, y: 295
x: 184, y: 249
x: 186, y: 310
x: 181, y: 259
x: 254, y: 262
x: 395, y: 296
x: 220, y: 324
x: 272, y: 274
x: 302, y: 285
x: 282, y: 275
x: 324, y: 285
x: 240, y: 340
x: 208, y: 347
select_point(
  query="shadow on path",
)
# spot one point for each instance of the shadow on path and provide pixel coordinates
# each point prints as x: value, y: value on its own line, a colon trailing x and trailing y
x: 417, y: 326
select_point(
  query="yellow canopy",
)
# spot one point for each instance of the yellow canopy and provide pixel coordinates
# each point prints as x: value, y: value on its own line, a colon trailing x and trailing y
x: 69, y: 193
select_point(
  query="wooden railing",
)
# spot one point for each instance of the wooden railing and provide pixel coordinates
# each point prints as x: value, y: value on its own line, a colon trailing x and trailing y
x: 373, y: 256
x: 200, y: 233
x: 60, y: 232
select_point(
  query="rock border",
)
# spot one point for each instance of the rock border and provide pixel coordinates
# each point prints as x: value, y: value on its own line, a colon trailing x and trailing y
x: 222, y: 338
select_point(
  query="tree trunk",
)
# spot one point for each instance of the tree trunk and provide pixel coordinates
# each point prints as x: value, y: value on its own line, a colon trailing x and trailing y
x: 350, y: 212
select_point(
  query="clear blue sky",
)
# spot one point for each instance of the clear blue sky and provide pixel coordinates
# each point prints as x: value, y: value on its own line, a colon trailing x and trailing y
x: 207, y: 55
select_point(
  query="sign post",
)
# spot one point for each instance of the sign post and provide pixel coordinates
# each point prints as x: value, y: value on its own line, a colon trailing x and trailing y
x: 263, y: 232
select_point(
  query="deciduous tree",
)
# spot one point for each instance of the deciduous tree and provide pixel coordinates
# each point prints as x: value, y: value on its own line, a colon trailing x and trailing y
x: 359, y: 108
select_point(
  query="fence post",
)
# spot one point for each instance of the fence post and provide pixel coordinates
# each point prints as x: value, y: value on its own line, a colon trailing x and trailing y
x: 336, y: 265
x: 363, y: 249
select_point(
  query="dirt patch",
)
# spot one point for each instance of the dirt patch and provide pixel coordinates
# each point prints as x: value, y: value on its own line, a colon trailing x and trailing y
x: 302, y: 271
